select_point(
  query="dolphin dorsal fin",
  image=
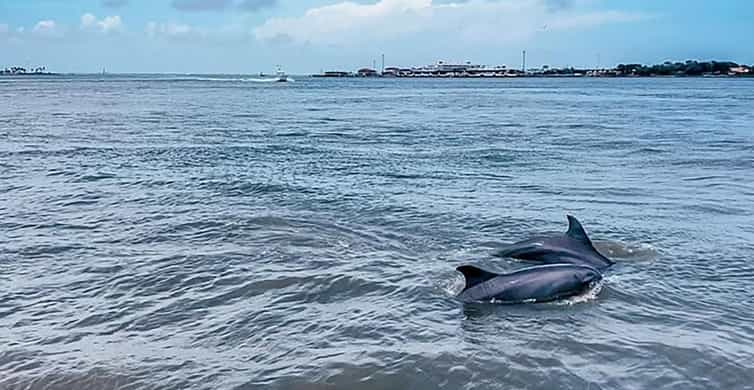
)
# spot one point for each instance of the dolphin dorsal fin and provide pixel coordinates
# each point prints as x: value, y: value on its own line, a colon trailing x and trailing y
x: 576, y: 231
x: 474, y: 275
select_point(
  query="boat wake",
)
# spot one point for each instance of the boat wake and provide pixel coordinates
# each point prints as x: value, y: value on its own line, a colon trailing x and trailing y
x: 265, y: 80
x: 227, y: 79
x: 288, y: 80
x: 258, y: 80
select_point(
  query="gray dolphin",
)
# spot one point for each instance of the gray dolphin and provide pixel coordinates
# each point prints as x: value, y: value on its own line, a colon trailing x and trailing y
x: 542, y: 283
x: 572, y: 247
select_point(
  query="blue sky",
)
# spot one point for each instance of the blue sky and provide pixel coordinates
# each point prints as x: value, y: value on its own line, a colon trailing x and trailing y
x: 304, y: 36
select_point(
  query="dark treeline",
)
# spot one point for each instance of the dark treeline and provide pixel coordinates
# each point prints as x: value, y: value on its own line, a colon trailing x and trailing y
x: 16, y: 70
x: 688, y: 68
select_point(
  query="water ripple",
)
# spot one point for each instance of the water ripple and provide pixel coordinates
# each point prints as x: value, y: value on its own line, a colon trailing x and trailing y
x: 202, y: 232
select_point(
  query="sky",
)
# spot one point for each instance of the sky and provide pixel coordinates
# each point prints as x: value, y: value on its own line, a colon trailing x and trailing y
x: 308, y: 36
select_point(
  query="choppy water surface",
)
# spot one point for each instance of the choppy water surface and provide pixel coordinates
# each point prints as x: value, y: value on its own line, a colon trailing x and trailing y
x: 214, y: 233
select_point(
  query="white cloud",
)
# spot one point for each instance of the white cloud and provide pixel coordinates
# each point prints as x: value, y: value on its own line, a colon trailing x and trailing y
x: 88, y: 20
x: 44, y: 26
x: 347, y: 22
x: 189, y: 33
x: 484, y: 21
x: 47, y: 28
x: 170, y: 30
x: 593, y: 19
x: 109, y: 24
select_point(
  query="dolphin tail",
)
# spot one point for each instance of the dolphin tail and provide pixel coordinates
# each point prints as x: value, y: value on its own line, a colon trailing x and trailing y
x: 474, y: 275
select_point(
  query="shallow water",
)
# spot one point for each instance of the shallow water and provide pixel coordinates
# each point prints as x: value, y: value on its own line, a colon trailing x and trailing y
x: 161, y: 232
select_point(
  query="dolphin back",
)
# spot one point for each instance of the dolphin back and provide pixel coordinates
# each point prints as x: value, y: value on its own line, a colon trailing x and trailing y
x: 573, y: 247
x: 542, y: 283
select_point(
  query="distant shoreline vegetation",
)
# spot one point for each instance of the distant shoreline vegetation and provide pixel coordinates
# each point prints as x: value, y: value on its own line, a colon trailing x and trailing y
x: 21, y: 71
x: 689, y: 68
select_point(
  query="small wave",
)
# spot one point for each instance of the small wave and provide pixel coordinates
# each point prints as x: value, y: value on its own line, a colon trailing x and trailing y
x: 706, y: 178
x: 96, y: 378
x: 626, y: 251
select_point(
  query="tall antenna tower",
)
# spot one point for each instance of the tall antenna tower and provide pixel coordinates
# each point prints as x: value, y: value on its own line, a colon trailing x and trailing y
x: 523, y: 61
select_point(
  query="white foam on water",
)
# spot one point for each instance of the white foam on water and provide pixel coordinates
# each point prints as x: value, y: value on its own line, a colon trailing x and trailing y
x: 258, y: 80
x: 454, y: 286
x: 587, y: 296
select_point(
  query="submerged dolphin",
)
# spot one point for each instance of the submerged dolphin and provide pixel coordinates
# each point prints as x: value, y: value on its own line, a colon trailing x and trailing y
x: 572, y: 247
x: 542, y: 283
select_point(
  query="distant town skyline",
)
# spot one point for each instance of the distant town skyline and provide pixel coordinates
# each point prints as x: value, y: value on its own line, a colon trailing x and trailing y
x: 307, y: 36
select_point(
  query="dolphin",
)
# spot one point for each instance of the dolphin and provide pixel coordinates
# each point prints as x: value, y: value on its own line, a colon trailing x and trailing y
x: 542, y: 283
x: 573, y: 247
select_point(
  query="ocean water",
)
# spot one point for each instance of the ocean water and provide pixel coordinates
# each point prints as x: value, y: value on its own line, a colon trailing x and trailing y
x: 213, y: 232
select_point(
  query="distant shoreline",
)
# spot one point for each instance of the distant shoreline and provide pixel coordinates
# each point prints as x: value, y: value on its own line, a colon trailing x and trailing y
x: 553, y: 76
x: 442, y: 69
x: 318, y: 76
x: 430, y: 77
x: 29, y: 74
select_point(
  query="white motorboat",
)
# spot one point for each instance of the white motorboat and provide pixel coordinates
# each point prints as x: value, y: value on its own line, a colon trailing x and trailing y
x: 280, y: 76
